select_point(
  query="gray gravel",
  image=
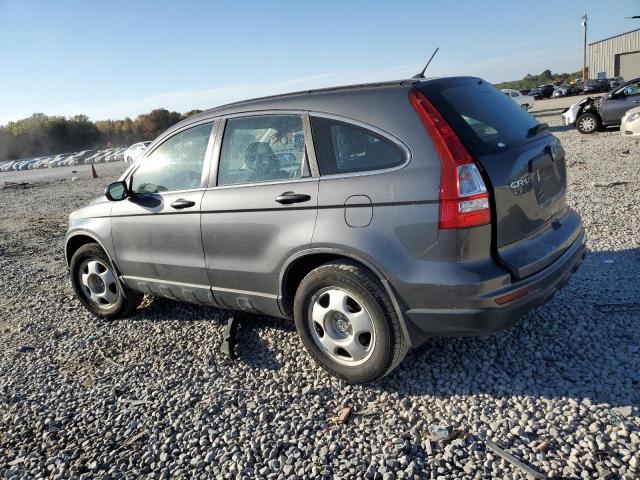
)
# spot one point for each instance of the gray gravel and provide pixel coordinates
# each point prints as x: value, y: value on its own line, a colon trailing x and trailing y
x: 151, y: 395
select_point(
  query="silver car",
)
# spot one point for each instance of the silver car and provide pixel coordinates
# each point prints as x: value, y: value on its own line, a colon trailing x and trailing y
x: 373, y: 216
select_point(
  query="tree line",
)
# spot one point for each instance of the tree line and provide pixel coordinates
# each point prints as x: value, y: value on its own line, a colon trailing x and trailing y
x: 544, y: 78
x: 41, y: 135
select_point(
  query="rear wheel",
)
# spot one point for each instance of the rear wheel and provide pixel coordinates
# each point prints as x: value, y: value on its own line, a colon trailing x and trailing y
x: 525, y: 107
x: 97, y: 286
x: 588, y: 123
x: 347, y: 323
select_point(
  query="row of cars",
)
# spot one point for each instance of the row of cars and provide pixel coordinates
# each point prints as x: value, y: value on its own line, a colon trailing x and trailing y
x: 85, y: 157
x: 619, y: 107
x: 578, y: 87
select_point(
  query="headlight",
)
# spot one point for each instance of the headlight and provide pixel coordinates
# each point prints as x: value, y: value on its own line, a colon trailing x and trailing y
x: 633, y: 117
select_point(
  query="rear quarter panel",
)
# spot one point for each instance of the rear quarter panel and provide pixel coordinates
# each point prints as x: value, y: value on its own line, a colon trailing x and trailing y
x: 404, y: 201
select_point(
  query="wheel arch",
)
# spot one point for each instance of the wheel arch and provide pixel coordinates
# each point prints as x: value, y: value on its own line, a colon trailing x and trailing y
x: 77, y: 240
x: 299, y: 265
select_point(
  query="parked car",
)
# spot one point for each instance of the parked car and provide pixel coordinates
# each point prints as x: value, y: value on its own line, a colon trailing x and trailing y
x: 561, y: 91
x: 630, y: 126
x: 615, y: 82
x: 525, y: 101
x: 134, y: 151
x: 356, y: 240
x: 536, y: 93
x: 591, y: 86
x: 591, y: 113
x: 546, y: 90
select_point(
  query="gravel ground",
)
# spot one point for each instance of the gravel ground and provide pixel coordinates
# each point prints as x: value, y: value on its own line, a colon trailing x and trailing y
x: 151, y: 395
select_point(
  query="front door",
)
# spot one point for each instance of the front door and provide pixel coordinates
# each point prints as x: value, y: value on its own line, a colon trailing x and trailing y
x: 156, y: 231
x: 259, y: 211
x: 613, y: 109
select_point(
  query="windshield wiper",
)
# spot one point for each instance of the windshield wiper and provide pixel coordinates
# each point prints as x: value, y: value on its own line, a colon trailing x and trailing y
x: 533, y: 131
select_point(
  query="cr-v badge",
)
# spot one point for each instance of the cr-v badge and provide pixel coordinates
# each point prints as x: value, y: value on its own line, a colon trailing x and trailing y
x: 520, y: 185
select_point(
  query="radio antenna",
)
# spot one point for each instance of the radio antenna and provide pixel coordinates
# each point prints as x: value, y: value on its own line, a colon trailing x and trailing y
x: 421, y: 74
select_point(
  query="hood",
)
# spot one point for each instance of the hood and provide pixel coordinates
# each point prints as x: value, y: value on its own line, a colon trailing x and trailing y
x: 99, y: 207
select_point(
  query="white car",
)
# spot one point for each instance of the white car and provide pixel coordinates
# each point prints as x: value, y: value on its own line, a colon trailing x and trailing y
x: 630, y: 126
x: 525, y: 101
x: 134, y: 151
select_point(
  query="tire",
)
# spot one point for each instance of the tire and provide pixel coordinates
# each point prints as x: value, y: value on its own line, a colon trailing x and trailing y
x: 525, y: 107
x: 334, y: 300
x: 96, y: 284
x: 588, y: 123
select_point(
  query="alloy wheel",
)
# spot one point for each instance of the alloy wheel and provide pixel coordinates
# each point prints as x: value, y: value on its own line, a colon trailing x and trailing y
x: 98, y: 283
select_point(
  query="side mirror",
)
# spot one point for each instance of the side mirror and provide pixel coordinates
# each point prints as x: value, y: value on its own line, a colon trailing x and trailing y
x: 116, y: 191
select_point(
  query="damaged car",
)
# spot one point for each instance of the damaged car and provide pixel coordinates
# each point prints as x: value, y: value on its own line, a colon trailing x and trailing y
x: 592, y: 113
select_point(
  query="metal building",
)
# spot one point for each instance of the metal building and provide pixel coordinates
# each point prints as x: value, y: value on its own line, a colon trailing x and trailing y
x: 616, y: 56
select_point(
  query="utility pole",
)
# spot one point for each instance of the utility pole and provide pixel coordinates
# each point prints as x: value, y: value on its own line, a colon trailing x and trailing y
x: 584, y: 46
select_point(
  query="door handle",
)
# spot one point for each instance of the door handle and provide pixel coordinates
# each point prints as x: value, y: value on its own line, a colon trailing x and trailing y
x: 182, y: 203
x: 287, y: 198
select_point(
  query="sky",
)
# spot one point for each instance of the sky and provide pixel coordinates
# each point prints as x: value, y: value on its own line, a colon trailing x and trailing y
x: 111, y: 59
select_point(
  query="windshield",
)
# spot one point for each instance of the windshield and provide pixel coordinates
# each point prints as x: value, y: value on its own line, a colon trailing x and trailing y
x: 486, y: 120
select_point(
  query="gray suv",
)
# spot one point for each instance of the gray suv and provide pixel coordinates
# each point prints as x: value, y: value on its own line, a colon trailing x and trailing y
x: 375, y: 216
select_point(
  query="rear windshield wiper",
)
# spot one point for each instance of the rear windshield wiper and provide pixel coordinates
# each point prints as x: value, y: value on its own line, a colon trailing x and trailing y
x: 533, y: 131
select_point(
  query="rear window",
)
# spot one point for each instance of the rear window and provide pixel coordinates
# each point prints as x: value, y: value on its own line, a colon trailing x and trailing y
x: 345, y: 148
x: 486, y: 120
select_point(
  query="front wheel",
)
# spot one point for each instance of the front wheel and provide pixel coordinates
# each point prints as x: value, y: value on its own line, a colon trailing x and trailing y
x: 588, y: 123
x: 96, y: 284
x: 347, y: 323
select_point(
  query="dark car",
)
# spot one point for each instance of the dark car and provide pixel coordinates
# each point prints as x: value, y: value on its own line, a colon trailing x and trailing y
x: 536, y: 93
x: 591, y: 86
x: 415, y: 208
x: 615, y: 82
x: 604, y: 85
x: 562, y: 91
x: 547, y: 90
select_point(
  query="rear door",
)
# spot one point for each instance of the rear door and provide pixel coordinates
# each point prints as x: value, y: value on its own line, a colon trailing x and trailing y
x: 156, y: 231
x: 523, y: 166
x: 260, y: 208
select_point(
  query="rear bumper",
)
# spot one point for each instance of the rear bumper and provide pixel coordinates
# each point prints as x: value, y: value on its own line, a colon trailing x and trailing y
x: 482, y: 315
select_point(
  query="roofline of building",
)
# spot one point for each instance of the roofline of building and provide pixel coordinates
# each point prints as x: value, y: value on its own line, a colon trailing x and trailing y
x: 614, y: 36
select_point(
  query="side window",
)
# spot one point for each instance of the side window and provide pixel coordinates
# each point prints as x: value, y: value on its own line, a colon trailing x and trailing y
x: 261, y: 149
x: 345, y: 148
x: 515, y: 94
x: 632, y: 89
x: 176, y: 164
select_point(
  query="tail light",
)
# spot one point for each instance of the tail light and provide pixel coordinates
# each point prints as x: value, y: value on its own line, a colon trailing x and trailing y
x: 464, y: 201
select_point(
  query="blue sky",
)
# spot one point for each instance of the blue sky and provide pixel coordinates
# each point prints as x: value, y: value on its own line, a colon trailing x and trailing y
x: 109, y: 59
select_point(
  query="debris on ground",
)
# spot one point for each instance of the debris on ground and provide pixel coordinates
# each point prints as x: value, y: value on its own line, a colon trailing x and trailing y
x: 615, y: 183
x: 342, y: 417
x: 17, y: 185
x: 542, y: 446
x: 514, y: 460
x: 439, y: 433
x: 617, y: 307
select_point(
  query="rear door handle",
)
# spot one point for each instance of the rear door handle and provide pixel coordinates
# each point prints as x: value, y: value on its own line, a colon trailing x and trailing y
x: 182, y: 203
x: 287, y: 198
